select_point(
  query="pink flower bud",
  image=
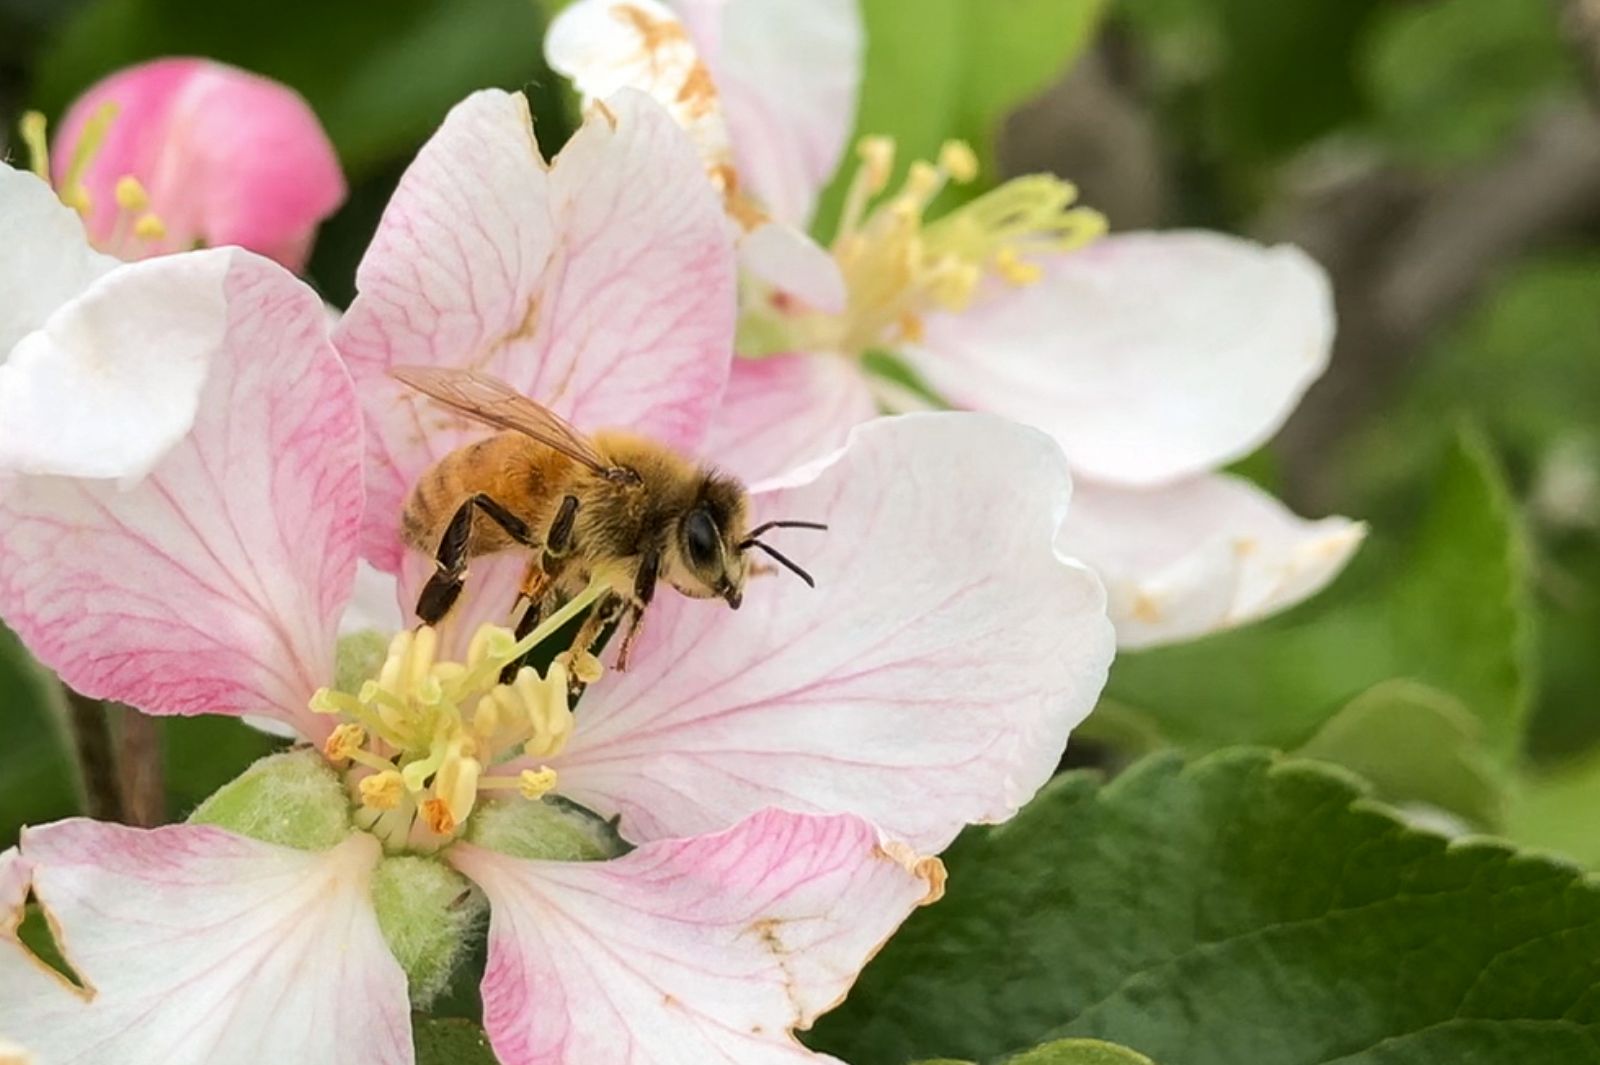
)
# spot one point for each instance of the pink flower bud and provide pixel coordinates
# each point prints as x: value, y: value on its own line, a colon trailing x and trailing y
x: 218, y: 156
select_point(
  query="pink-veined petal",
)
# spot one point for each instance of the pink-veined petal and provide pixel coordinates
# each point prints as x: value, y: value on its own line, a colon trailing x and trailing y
x: 1148, y: 356
x: 789, y: 72
x: 928, y: 681
x: 200, y: 947
x: 215, y: 583
x: 794, y: 264
x: 1201, y: 555
x: 602, y: 288
x: 688, y: 951
x: 784, y: 410
x: 45, y: 259
x: 226, y: 156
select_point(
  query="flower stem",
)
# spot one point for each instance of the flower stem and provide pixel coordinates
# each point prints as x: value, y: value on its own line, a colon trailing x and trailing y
x: 97, y: 768
x: 144, y: 791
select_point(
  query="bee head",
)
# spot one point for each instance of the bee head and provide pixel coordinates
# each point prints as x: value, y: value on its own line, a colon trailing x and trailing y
x: 709, y: 536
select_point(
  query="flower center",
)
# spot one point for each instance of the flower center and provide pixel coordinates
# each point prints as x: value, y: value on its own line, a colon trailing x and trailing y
x: 420, y: 741
x: 136, y: 224
x: 898, y: 266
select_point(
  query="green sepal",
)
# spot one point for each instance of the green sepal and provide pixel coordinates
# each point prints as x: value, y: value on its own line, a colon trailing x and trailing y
x: 294, y: 799
x: 551, y: 829
x: 428, y: 913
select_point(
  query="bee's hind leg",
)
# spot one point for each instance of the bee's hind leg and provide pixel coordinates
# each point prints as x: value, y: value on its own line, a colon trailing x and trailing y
x: 450, y: 560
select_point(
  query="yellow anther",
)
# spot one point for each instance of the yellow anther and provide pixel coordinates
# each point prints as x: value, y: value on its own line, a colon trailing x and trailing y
x: 32, y: 129
x: 130, y: 194
x: 958, y: 160
x: 328, y: 701
x: 76, y: 196
x: 344, y: 742
x: 437, y: 816
x: 877, y: 161
x: 382, y: 791
x: 457, y: 785
x: 1014, y: 269
x: 923, y: 182
x: 911, y: 330
x: 586, y: 667
x: 149, y: 227
x: 537, y: 783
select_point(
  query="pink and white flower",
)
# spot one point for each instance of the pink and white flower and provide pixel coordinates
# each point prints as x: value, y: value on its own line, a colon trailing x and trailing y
x: 174, y: 153
x: 1152, y: 358
x: 192, y: 550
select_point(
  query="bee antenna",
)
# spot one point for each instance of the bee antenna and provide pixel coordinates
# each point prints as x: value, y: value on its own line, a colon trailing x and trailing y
x: 759, y: 529
x: 775, y: 553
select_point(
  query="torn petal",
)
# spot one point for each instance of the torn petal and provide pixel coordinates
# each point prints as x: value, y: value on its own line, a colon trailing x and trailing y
x: 1201, y: 555
x: 602, y: 288
x: 715, y: 948
x: 197, y: 946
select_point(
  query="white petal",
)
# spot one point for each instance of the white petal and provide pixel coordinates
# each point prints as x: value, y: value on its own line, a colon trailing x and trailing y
x: 45, y: 258
x: 1148, y: 356
x: 784, y: 410
x: 789, y: 72
x: 787, y: 259
x: 204, y: 948
x: 112, y: 380
x: 684, y: 952
x: 928, y: 681
x: 1202, y: 555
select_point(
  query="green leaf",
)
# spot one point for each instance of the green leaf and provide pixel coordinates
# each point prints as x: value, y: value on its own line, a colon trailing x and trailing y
x: 1447, y: 608
x: 1414, y: 744
x: 380, y: 76
x: 1069, y: 1052
x: 450, y: 1041
x: 1451, y: 80
x: 38, y: 773
x: 1558, y: 809
x: 1243, y: 908
x: 939, y: 69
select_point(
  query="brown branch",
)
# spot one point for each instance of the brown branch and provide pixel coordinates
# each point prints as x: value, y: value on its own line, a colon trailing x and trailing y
x: 90, y: 728
x: 1408, y: 254
x: 144, y: 793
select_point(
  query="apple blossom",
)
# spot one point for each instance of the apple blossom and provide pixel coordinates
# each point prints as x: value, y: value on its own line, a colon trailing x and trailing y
x: 174, y: 153
x: 1152, y: 358
x: 186, y: 540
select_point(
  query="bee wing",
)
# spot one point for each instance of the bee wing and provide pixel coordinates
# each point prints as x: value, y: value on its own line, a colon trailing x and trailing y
x: 493, y: 402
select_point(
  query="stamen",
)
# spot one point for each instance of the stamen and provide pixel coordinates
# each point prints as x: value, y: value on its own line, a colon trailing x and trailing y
x: 131, y: 195
x: 72, y: 191
x: 958, y: 160
x: 32, y: 129
x: 344, y: 741
x: 537, y: 783
x: 382, y: 790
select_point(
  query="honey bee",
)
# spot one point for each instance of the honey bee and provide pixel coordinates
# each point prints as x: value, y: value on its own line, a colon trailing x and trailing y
x: 613, y: 507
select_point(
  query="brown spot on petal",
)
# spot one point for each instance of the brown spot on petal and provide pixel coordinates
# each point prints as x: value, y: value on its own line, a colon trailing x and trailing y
x: 698, y: 93
x: 740, y: 207
x: 654, y: 33
x: 928, y: 869
x: 1146, y: 609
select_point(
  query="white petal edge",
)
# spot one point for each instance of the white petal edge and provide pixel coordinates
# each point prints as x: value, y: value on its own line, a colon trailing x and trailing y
x: 204, y: 948
x: 687, y: 951
x: 45, y: 258
x: 1148, y: 356
x: 1200, y: 556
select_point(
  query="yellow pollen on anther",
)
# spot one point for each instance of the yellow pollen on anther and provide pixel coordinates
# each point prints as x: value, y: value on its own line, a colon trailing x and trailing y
x: 382, y: 791
x: 430, y: 728
x: 899, y: 267
x: 149, y: 227
x: 344, y: 741
x: 130, y: 194
x: 536, y: 783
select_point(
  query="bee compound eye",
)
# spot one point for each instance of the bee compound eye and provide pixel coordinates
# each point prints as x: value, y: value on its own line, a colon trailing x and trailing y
x: 701, y: 534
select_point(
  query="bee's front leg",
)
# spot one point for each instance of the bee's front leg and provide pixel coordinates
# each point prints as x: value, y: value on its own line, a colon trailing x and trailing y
x: 635, y: 619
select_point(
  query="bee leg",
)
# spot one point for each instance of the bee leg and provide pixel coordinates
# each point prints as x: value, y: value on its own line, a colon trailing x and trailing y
x: 604, y: 613
x: 450, y: 560
x: 635, y: 619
